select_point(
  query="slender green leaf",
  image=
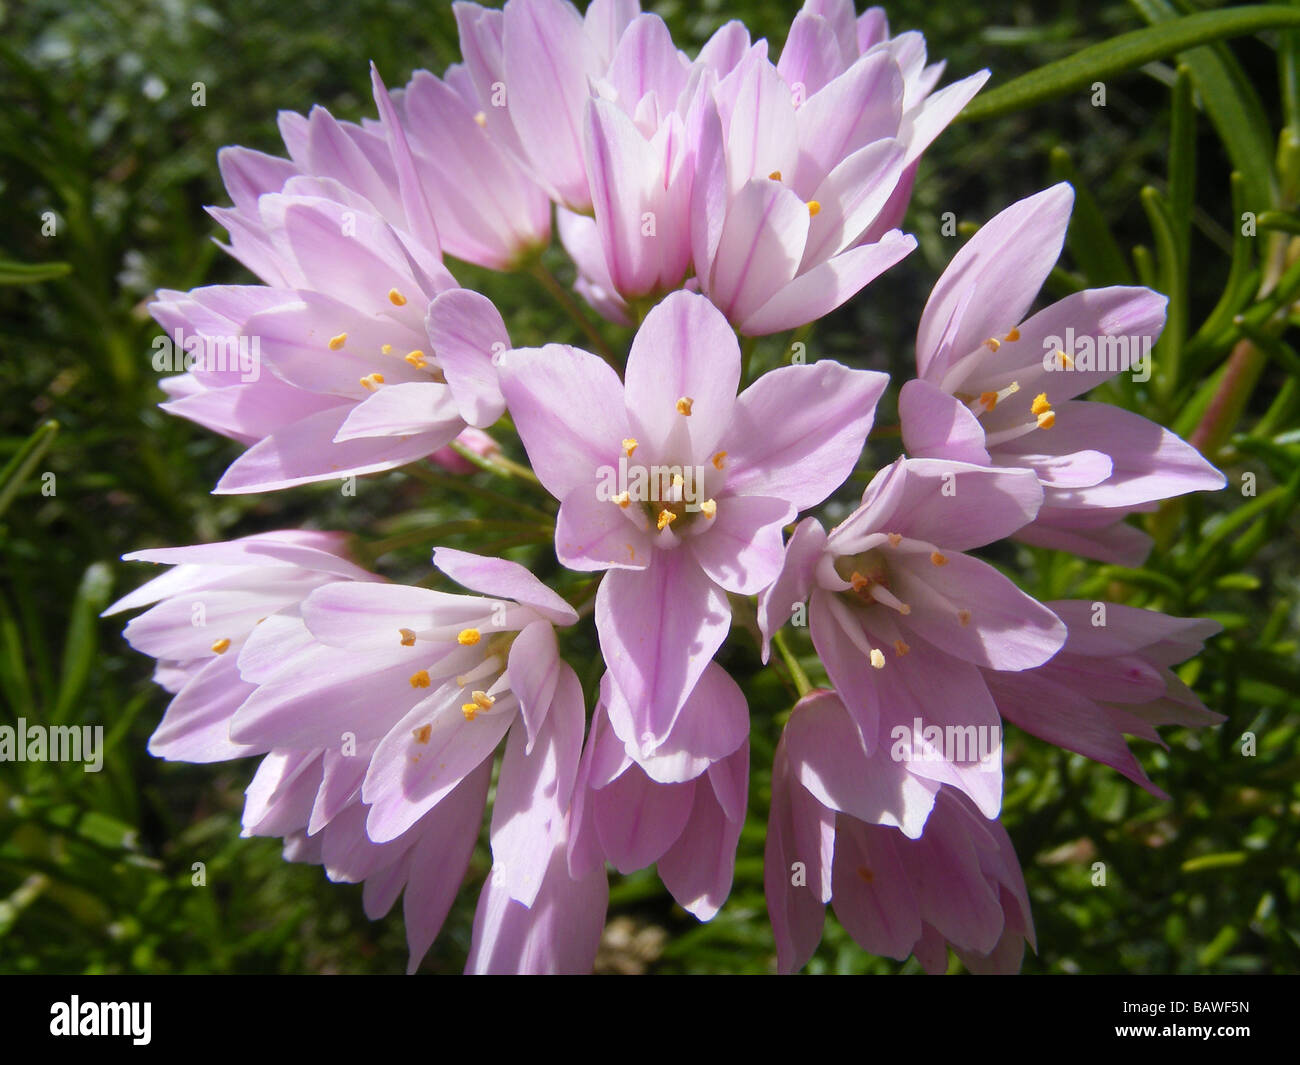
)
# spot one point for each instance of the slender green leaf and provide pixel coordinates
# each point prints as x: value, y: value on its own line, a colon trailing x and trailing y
x: 1126, y: 52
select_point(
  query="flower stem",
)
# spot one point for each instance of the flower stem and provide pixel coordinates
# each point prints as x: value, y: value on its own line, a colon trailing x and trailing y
x: 562, y: 296
x: 498, y: 464
x: 801, y: 682
x: 463, y: 485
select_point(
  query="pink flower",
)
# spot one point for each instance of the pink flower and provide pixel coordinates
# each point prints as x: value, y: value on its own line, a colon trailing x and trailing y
x: 682, y: 807
x: 909, y: 866
x: 996, y: 389
x: 904, y: 620
x: 530, y: 66
x: 382, y: 713
x: 1111, y: 678
x: 356, y: 302
x: 677, y: 486
x: 204, y: 612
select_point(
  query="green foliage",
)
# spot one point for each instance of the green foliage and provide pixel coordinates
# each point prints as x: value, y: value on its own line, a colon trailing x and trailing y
x: 98, y: 131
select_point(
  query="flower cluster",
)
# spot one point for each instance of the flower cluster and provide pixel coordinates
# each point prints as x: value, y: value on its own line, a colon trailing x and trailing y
x: 705, y: 201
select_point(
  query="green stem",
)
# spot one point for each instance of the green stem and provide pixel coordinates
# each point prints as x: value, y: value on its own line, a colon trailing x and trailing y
x: 801, y: 682
x: 562, y: 296
x: 498, y: 464
x: 378, y: 548
x: 467, y: 487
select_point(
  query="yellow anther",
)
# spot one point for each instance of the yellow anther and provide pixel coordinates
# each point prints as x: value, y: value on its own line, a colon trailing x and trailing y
x: 993, y: 343
x: 895, y: 539
x: 678, y: 480
x: 372, y: 381
x: 420, y: 678
x: 904, y: 609
x: 858, y: 581
x: 387, y: 349
x: 877, y: 658
x: 963, y: 616
x: 221, y: 646
x: 900, y: 648
x: 338, y: 341
x: 1047, y: 419
x: 684, y: 405
x: 988, y: 400
x: 1040, y: 404
x: 481, y: 119
x: 416, y: 359
x: 719, y: 460
x: 482, y: 700
x: 709, y: 508
x: 775, y: 175
x: 814, y: 208
x: 1014, y: 335
x: 408, y: 637
x: 422, y: 733
x: 396, y: 298
x: 629, y: 445
x: 470, y: 710
x: 666, y: 518
x: 468, y: 637
x: 938, y: 559
x: 623, y: 499
x: 1064, y: 361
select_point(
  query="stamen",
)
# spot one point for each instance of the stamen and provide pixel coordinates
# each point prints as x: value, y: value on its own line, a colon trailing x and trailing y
x: 1013, y: 336
x: 396, y: 298
x: 420, y: 678
x: 881, y: 594
x: 485, y: 668
x: 372, y: 381
x: 993, y: 343
x: 468, y: 637
x: 858, y: 581
x: 629, y: 445
x: 422, y: 733
x: 719, y: 460
x: 416, y: 359
x: 988, y: 400
x: 623, y: 499
x: 1064, y: 361
x: 221, y: 646
x: 775, y: 175
x: 338, y: 341
x: 1040, y: 404
x: 470, y: 710
x: 877, y: 658
x: 408, y: 637
x: 666, y: 518
x: 814, y: 208
x: 482, y: 700
x: 709, y: 508
x: 901, y: 648
x: 895, y: 539
x: 387, y: 349
x: 1047, y: 419
x: 938, y: 559
x: 684, y: 405
x: 481, y: 120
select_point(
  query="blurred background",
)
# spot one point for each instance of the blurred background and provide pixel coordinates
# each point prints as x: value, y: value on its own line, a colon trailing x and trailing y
x: 98, y: 127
